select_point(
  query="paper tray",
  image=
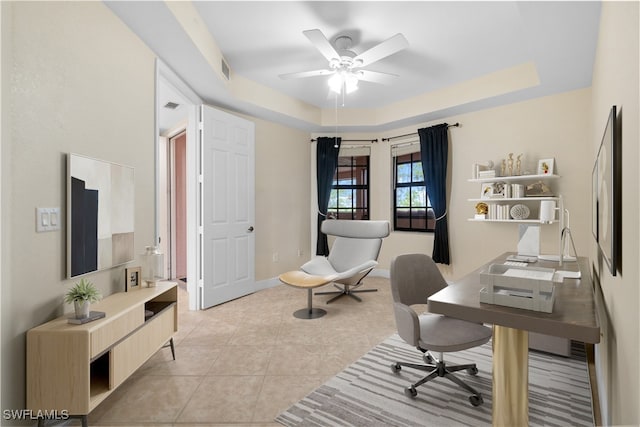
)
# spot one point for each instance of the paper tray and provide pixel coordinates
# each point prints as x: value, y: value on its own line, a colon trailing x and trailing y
x: 529, y: 288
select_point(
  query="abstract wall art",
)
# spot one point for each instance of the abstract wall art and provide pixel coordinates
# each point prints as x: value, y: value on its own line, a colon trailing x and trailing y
x: 100, y: 214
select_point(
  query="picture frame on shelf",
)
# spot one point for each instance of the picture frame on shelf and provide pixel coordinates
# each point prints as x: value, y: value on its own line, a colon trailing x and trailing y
x: 132, y: 278
x: 486, y: 190
x: 546, y: 166
x: 492, y: 190
x: 499, y: 190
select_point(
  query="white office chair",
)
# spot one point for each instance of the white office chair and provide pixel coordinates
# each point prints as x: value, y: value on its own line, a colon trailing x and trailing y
x: 353, y: 255
x: 414, y: 278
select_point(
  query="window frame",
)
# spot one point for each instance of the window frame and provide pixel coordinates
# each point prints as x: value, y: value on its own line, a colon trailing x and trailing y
x: 429, y: 217
x: 336, y: 210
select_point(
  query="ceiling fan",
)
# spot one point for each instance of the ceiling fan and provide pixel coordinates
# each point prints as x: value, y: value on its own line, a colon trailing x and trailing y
x: 345, y: 66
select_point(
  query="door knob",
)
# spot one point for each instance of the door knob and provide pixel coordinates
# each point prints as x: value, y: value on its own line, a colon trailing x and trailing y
x: 250, y: 229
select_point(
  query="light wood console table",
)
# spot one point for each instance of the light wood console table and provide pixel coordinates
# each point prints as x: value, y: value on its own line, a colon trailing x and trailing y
x: 73, y: 368
x: 574, y: 316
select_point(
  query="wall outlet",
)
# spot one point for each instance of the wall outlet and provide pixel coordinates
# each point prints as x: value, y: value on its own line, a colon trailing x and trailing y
x: 275, y: 257
x: 300, y: 252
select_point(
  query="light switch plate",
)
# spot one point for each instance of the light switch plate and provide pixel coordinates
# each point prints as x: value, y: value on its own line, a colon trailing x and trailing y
x: 47, y: 219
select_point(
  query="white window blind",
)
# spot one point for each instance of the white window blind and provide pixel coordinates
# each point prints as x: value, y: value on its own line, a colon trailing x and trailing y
x: 347, y: 150
x: 405, y: 148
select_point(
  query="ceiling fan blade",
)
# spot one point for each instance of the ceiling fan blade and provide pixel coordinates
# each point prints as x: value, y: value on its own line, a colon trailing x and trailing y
x: 376, y: 76
x: 382, y: 50
x: 303, y: 74
x: 322, y: 44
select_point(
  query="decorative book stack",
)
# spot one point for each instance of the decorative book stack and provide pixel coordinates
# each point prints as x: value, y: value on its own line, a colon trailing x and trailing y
x: 487, y: 174
x: 94, y: 315
x: 479, y: 171
x: 499, y: 211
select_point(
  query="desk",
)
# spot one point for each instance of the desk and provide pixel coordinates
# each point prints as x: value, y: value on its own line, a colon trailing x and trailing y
x: 574, y: 317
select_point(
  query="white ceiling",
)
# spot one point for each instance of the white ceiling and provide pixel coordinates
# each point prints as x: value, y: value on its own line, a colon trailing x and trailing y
x: 449, y: 43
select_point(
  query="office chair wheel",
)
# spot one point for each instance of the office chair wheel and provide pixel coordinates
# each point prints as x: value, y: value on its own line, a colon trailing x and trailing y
x: 411, y: 392
x: 472, y: 371
x: 476, y: 399
x: 395, y: 368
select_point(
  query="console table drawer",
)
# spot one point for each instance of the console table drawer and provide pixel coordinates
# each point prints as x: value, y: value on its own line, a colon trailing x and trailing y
x: 119, y: 328
x: 136, y: 349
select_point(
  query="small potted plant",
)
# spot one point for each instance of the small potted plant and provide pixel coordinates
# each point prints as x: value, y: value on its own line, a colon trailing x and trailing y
x: 82, y: 295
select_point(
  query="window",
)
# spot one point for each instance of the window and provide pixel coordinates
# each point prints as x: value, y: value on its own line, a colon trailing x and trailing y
x: 412, y: 209
x: 350, y: 193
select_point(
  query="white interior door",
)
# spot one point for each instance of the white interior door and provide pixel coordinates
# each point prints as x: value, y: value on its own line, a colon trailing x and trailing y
x: 227, y: 195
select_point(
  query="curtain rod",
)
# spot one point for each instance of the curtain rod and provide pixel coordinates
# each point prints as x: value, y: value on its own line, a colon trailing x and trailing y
x: 414, y: 133
x: 353, y: 140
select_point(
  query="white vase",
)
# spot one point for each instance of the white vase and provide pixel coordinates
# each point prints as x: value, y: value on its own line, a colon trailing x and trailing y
x: 82, y: 308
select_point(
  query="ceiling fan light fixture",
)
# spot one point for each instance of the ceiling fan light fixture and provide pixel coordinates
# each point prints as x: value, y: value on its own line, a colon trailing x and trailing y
x: 343, y: 79
x: 344, y: 63
x: 351, y: 82
x: 335, y: 83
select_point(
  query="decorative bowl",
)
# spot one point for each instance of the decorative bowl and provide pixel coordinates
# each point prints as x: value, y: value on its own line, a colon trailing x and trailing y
x: 520, y: 212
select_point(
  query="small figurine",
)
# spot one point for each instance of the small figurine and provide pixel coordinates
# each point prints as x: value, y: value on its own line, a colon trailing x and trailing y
x: 503, y: 167
x: 538, y: 189
x: 510, y: 164
x: 519, y: 165
x: 482, y: 208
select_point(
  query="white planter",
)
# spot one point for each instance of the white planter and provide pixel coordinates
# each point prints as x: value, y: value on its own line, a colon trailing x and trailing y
x: 82, y: 308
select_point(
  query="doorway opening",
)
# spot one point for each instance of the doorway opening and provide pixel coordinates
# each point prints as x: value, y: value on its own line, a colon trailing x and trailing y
x: 178, y: 206
x: 176, y: 224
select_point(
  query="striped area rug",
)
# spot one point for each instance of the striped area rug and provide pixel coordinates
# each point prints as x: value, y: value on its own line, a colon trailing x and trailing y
x: 368, y: 394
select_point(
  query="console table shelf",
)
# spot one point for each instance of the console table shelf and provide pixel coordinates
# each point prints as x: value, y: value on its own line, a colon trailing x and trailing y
x: 75, y: 367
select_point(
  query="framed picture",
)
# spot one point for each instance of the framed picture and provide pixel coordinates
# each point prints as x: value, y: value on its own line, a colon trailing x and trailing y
x: 100, y: 200
x: 609, y: 194
x: 132, y: 278
x: 493, y: 190
x: 594, y: 200
x: 486, y: 190
x: 545, y: 166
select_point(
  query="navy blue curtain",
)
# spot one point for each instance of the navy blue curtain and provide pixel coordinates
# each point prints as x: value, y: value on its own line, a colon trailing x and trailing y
x: 326, y: 165
x: 434, y: 148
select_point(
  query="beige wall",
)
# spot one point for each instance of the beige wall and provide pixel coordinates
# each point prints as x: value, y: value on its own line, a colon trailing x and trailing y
x: 615, y: 82
x: 75, y: 65
x: 78, y: 81
x: 560, y: 130
x: 282, y: 198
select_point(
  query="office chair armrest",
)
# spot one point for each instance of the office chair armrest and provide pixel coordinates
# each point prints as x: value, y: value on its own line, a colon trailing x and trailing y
x: 407, y: 322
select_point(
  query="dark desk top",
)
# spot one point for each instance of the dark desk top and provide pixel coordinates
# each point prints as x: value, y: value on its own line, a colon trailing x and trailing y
x: 574, y: 311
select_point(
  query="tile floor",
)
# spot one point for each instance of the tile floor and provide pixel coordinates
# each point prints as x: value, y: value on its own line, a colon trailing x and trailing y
x: 243, y: 362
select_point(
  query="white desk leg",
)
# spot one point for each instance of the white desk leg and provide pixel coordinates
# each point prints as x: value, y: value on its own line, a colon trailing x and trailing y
x: 510, y: 377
